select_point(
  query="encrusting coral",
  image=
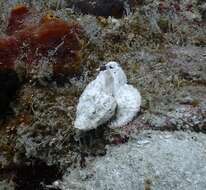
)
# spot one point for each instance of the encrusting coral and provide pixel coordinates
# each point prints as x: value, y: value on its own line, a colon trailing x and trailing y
x: 17, y: 19
x: 43, y: 36
x: 33, y: 36
x: 9, y: 51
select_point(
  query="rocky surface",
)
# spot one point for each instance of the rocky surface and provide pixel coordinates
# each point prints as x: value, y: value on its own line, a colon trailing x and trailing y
x: 151, y: 160
x: 161, y: 47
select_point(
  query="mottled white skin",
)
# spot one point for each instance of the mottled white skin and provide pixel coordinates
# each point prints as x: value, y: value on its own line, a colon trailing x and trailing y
x: 96, y: 104
x: 128, y: 98
x: 108, y: 93
x: 118, y: 74
x: 128, y: 105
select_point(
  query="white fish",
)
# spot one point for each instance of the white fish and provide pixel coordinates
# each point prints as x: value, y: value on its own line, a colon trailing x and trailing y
x: 128, y: 98
x: 118, y: 75
x: 107, y: 98
x: 96, y: 104
x: 128, y: 105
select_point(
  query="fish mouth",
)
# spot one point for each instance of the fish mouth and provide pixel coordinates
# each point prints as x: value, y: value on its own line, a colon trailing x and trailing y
x: 84, y: 125
x: 103, y: 68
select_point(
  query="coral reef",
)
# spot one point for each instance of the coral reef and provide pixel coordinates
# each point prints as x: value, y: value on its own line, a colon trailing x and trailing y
x: 38, y: 36
x: 33, y: 37
x: 159, y: 44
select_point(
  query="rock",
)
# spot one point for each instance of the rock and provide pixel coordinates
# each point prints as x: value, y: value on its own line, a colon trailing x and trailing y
x: 164, y: 24
x: 9, y: 83
x: 202, y: 9
x: 193, y: 16
x: 103, y: 8
x: 5, y: 185
x: 164, y: 161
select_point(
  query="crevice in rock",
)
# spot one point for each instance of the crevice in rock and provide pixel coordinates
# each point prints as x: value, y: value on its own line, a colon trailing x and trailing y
x: 33, y: 175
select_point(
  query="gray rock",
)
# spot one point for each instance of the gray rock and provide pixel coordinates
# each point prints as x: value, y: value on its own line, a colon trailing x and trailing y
x: 4, y: 185
x: 166, y: 161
